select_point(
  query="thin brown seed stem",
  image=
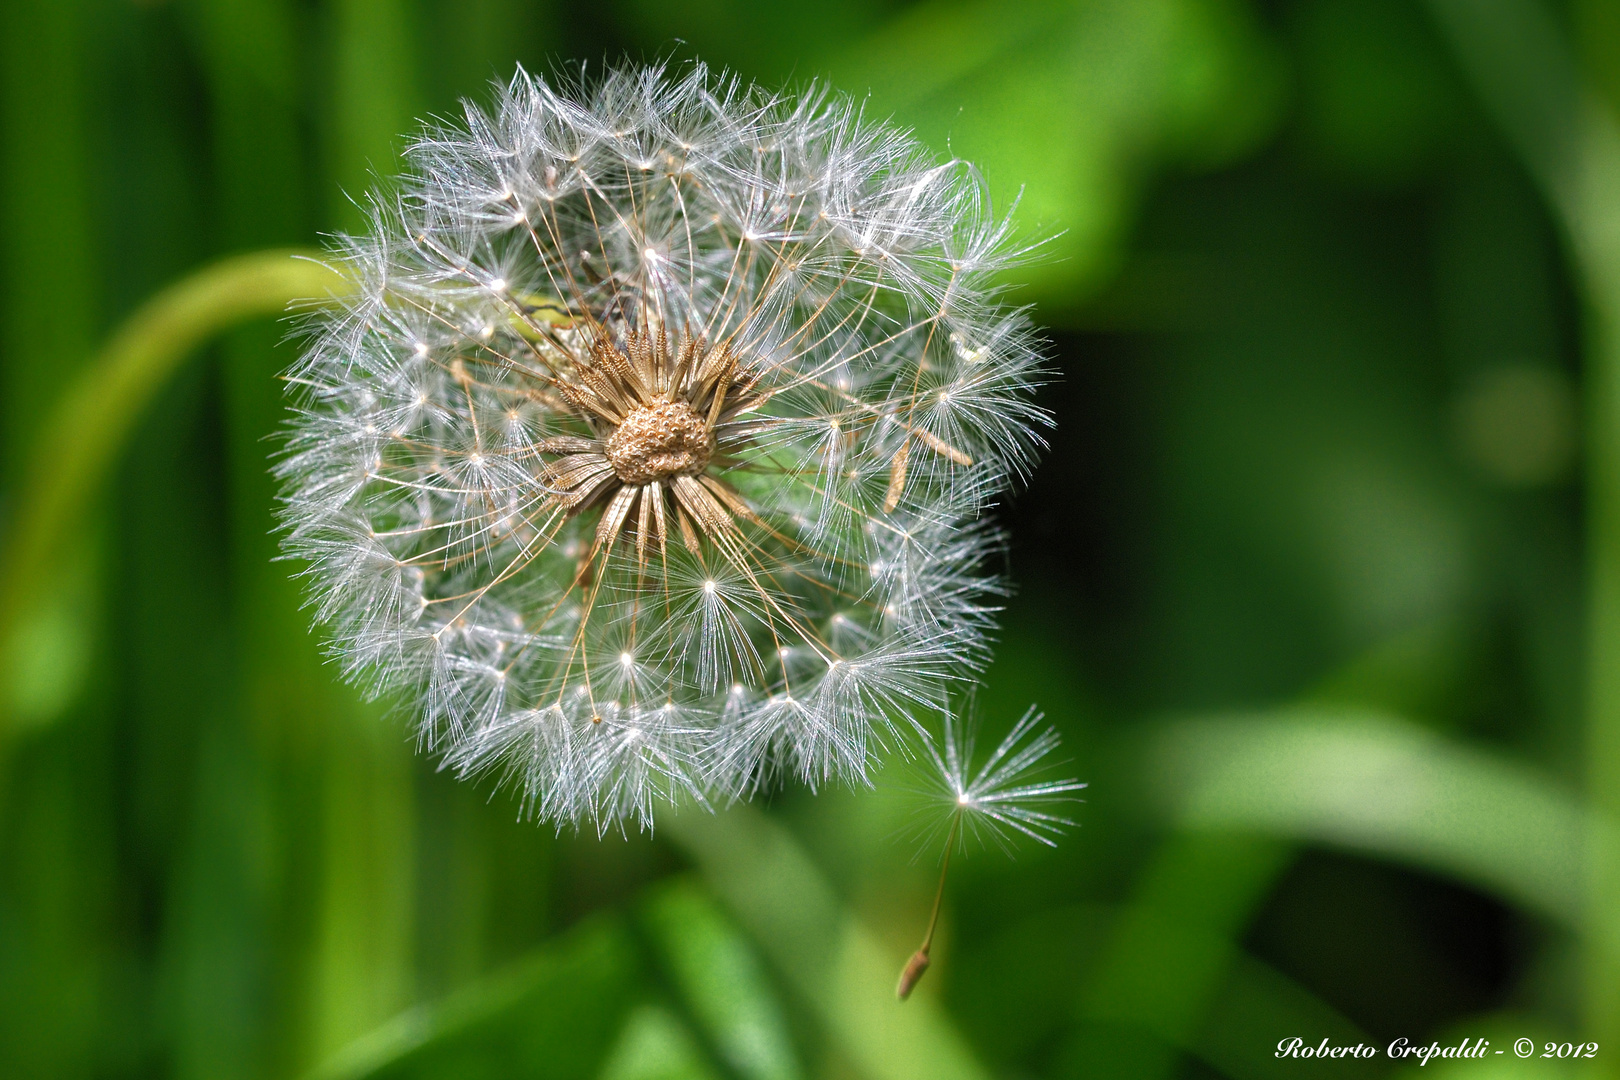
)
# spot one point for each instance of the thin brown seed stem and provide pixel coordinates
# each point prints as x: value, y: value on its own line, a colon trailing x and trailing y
x: 913, y: 971
x: 939, y: 892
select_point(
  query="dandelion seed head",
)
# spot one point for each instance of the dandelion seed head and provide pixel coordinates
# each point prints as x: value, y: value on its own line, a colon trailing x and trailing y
x: 688, y: 460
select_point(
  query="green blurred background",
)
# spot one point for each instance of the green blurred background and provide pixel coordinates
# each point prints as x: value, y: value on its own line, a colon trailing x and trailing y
x: 1320, y: 579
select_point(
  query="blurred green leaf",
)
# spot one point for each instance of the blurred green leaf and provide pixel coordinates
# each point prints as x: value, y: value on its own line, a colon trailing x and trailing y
x: 1254, y: 1008
x: 51, y: 256
x: 768, y: 881
x: 770, y: 42
x: 655, y: 1046
x: 243, y: 951
x: 87, y: 427
x: 51, y: 647
x: 1524, y: 70
x: 554, y: 1015
x: 1376, y: 784
x: 720, y: 980
x: 1013, y: 990
x: 1170, y: 948
x: 364, y: 957
x: 1415, y: 672
x: 376, y: 98
x: 53, y: 302
x: 1378, y: 100
x: 1067, y: 103
x: 1502, y: 1030
x: 476, y: 42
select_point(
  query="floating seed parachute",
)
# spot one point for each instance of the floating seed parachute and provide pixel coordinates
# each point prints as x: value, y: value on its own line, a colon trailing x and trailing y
x: 649, y: 460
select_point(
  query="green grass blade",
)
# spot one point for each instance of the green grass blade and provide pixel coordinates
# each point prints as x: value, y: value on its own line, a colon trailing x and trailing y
x: 375, y: 98
x: 656, y: 1046
x: 768, y: 881
x: 1375, y: 784
x: 363, y: 966
x: 554, y: 1014
x: 1170, y: 949
x: 720, y: 980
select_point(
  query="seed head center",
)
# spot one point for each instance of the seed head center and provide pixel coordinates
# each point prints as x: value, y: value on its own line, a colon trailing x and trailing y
x: 660, y: 441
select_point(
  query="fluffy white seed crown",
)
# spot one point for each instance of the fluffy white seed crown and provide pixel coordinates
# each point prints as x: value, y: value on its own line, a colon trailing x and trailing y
x: 650, y: 458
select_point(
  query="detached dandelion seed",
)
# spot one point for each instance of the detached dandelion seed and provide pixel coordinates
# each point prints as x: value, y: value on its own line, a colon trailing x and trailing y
x: 1003, y: 799
x: 649, y: 461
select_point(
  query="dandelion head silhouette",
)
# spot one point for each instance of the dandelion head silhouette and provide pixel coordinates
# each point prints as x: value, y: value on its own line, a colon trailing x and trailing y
x: 650, y: 459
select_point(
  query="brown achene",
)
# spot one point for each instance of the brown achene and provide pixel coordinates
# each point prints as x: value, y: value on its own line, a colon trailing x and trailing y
x: 658, y: 415
x: 660, y: 442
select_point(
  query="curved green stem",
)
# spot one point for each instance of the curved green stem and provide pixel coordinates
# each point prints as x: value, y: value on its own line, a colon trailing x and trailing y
x: 81, y: 440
